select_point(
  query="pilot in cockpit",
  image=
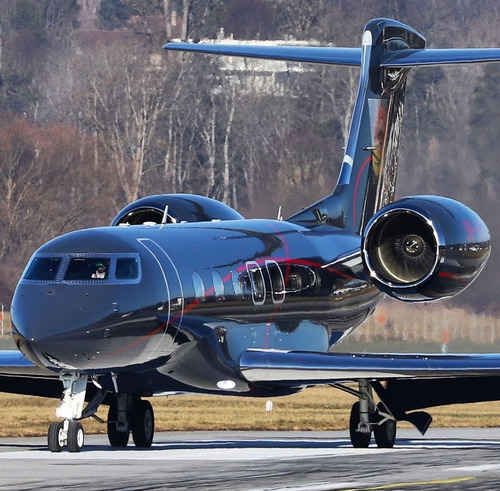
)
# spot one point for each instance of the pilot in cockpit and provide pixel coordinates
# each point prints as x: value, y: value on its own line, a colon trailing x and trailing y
x: 100, y: 272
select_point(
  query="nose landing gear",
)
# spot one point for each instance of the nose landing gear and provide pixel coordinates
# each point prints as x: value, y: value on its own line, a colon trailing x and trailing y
x: 69, y: 431
x: 127, y: 414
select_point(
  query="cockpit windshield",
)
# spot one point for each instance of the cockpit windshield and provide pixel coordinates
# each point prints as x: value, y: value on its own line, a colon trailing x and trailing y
x: 43, y: 268
x: 87, y: 268
x: 81, y: 268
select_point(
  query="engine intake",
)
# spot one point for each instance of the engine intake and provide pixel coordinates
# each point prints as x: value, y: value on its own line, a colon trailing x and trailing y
x: 179, y: 208
x: 425, y: 248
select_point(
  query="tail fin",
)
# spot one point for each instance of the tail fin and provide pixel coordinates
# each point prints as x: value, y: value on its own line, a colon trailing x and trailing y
x: 368, y: 174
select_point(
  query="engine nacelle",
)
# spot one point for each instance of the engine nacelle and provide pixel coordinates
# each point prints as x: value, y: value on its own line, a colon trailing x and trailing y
x: 178, y: 208
x: 425, y: 248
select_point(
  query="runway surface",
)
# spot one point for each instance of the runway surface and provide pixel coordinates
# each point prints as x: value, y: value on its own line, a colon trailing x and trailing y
x: 442, y: 460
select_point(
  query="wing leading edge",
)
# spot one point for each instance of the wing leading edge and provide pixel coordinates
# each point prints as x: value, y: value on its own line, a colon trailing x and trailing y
x: 18, y: 375
x: 13, y: 362
x: 305, y: 368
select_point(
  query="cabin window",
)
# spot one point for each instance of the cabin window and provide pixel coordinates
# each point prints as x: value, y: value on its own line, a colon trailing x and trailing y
x: 237, y: 286
x: 257, y: 282
x: 276, y: 281
x: 218, y: 285
x: 199, y: 287
x: 43, y: 269
x: 87, y: 268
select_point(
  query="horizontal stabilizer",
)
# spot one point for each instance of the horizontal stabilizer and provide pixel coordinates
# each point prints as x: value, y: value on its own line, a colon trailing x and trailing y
x: 428, y: 57
x: 345, y: 56
x: 308, y: 54
x: 294, y: 368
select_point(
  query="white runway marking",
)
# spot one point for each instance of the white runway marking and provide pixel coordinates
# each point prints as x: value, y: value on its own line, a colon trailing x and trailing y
x: 314, y: 486
x: 196, y: 453
x: 245, y: 450
x: 477, y: 468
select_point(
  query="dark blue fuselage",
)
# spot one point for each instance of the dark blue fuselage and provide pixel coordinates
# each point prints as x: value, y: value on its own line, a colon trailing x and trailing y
x: 209, y: 290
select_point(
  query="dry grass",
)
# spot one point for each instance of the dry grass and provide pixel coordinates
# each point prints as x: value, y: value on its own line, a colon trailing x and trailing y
x: 319, y: 408
x: 394, y: 327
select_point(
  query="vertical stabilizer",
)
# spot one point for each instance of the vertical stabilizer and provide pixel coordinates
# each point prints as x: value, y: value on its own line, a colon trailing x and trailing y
x: 368, y: 173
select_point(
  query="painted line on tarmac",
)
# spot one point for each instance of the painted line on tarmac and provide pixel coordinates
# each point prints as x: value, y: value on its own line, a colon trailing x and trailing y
x: 316, y: 486
x: 189, y: 454
x: 399, y: 485
x: 356, y: 486
x: 477, y: 468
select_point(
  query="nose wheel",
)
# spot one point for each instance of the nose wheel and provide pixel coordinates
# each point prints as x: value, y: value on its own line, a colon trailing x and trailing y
x: 69, y: 433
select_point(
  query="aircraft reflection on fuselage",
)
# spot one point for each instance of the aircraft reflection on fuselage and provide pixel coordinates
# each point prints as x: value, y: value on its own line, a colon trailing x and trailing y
x: 133, y: 315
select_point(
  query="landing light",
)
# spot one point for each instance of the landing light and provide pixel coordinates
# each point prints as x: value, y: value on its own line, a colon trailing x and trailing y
x: 226, y: 384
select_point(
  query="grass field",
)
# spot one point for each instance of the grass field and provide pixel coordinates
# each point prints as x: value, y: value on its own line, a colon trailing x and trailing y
x: 319, y: 408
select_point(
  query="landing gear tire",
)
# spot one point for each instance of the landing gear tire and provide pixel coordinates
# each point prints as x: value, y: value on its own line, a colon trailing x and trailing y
x: 116, y: 438
x: 55, y: 438
x: 143, y: 424
x: 76, y: 436
x: 385, y: 433
x: 358, y: 439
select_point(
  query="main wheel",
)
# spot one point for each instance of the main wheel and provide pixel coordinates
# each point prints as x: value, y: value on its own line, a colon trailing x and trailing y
x: 385, y: 433
x: 358, y: 439
x: 55, y: 438
x: 76, y: 436
x: 143, y: 424
x: 116, y: 438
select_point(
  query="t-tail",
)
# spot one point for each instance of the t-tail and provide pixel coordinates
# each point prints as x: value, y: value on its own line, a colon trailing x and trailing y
x: 367, y: 178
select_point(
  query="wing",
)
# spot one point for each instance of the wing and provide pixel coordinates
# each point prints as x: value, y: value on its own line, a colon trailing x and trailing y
x: 304, y: 368
x: 19, y: 376
x: 413, y: 381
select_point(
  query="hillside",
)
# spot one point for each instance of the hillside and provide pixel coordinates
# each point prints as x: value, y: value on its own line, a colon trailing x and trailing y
x: 94, y: 114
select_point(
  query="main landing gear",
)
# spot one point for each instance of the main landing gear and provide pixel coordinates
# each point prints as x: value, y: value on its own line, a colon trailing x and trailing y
x: 130, y: 415
x: 367, y: 417
x: 127, y: 414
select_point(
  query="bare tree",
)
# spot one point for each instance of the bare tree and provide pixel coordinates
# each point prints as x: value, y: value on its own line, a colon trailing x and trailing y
x: 168, y: 18
x: 122, y: 101
x: 186, y: 11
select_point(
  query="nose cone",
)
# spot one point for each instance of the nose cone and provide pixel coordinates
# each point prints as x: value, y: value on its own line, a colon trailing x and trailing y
x: 92, y: 300
x: 49, y: 320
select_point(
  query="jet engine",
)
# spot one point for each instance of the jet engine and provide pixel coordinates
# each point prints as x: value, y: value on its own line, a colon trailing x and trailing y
x: 174, y: 208
x: 425, y: 248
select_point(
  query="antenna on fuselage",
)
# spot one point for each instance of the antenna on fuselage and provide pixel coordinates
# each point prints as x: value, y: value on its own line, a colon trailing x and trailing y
x: 165, y: 216
x: 280, y: 216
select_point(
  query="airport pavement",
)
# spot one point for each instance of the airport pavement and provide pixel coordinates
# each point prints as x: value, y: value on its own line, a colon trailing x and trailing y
x: 443, y: 459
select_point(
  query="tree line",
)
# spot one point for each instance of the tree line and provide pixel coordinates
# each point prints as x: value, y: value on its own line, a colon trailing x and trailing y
x: 95, y: 117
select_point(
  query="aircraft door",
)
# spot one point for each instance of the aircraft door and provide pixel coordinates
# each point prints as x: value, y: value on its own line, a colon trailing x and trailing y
x: 171, y: 312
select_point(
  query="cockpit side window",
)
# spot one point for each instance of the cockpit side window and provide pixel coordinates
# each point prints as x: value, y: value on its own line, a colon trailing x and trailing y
x: 127, y: 268
x: 43, y: 269
x: 82, y: 268
x: 87, y: 268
